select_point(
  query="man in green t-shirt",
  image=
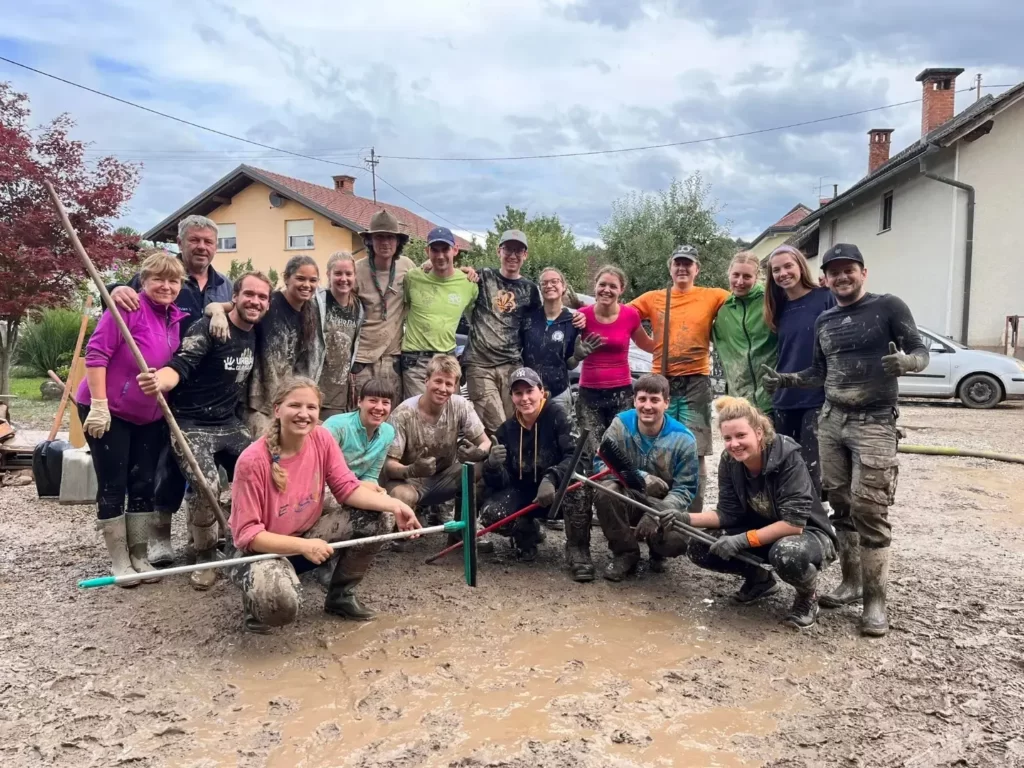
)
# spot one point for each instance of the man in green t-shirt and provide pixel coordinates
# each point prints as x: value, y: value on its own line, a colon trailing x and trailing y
x: 434, y: 301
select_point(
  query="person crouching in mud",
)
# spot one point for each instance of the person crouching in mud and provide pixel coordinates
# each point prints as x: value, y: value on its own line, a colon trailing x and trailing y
x: 278, y: 506
x: 767, y: 506
x: 531, y: 454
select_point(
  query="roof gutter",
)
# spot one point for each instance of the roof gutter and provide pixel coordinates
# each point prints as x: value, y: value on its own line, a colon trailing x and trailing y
x: 969, y: 237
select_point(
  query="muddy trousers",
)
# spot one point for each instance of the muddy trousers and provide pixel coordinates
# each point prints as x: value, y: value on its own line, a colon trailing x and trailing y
x: 270, y: 588
x: 488, y: 391
x: 618, y: 519
x: 524, y: 530
x: 595, y: 411
x: 801, y: 424
x: 859, y: 470
x: 124, y: 458
x: 797, y: 560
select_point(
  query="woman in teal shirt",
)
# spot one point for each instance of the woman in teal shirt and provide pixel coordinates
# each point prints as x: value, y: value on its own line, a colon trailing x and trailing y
x: 364, y: 434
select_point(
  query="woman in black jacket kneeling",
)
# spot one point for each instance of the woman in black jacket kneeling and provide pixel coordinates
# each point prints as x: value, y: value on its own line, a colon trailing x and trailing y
x: 767, y: 506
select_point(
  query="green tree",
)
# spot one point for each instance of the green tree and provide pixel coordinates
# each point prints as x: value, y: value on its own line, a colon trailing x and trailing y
x: 644, y: 230
x: 239, y: 268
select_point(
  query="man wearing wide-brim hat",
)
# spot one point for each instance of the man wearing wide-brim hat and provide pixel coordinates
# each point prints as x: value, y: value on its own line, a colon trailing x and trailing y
x: 379, y: 284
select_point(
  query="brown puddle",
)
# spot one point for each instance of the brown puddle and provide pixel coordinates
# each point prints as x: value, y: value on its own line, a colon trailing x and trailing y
x: 997, y: 492
x: 378, y: 688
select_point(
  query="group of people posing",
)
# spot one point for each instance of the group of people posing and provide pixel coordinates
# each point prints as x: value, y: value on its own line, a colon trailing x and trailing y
x: 335, y: 413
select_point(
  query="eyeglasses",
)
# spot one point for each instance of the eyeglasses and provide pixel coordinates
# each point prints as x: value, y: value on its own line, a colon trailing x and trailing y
x: 545, y: 283
x: 513, y: 251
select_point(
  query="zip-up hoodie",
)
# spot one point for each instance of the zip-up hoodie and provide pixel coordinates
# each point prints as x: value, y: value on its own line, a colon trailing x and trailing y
x: 545, y: 450
x: 744, y: 343
x: 155, y: 330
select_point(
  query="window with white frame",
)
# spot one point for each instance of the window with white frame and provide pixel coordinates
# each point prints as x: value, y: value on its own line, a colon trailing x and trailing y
x: 299, y: 234
x: 885, y: 214
x: 227, y: 239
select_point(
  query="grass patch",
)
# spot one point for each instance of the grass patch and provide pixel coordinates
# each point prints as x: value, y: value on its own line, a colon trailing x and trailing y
x: 27, y: 388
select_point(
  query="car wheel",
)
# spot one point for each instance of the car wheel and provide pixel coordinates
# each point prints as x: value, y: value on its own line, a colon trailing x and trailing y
x: 980, y: 391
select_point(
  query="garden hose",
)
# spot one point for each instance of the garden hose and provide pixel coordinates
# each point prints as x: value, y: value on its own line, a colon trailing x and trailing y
x: 941, y: 450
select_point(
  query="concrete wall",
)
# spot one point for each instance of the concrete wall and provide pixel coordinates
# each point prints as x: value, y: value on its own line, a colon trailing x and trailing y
x: 769, y: 244
x: 261, y: 235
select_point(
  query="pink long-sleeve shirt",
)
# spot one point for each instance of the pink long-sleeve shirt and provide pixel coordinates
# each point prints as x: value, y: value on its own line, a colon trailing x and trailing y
x: 257, y: 505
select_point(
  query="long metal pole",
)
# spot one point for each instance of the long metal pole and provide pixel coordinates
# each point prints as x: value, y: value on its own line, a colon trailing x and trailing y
x: 186, y: 451
x: 686, y: 530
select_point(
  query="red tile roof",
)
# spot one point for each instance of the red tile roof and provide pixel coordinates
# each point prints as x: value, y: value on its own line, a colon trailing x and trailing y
x: 794, y: 217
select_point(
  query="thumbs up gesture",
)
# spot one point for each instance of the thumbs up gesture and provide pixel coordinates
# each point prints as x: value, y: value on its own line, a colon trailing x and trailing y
x: 896, y: 363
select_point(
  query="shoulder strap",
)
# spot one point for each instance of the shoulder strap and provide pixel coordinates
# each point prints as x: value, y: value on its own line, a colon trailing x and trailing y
x: 664, y: 340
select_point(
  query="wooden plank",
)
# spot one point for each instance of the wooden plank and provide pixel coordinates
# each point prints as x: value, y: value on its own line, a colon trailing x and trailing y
x: 77, y: 438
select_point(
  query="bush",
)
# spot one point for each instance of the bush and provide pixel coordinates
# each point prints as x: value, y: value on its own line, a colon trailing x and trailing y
x: 48, y: 342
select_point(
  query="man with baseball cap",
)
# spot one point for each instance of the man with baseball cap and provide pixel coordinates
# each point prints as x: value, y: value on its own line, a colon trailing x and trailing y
x: 530, y: 455
x: 681, y: 317
x: 861, y: 347
x: 434, y: 302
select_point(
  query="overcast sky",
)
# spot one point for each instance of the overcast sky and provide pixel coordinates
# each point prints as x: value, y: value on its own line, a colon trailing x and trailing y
x: 456, y: 78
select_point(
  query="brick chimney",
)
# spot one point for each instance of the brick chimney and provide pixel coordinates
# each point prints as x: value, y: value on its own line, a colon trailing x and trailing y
x: 878, y: 148
x: 939, y: 86
x: 346, y: 184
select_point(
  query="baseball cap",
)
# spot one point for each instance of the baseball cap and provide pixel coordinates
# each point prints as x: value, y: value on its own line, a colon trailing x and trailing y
x: 513, y: 235
x: 528, y: 375
x: 687, y: 252
x: 441, y: 235
x: 841, y: 251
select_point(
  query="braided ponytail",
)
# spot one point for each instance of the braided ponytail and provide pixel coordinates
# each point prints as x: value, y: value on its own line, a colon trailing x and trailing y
x: 273, y: 433
x: 730, y: 408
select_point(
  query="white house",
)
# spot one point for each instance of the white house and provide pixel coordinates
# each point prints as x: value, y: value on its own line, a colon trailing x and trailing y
x: 937, y: 223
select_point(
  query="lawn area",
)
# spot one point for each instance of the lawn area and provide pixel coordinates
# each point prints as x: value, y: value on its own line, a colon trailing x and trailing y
x: 28, y: 388
x: 28, y: 409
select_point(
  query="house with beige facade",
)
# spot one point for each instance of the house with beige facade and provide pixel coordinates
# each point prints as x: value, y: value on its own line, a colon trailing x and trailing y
x: 268, y: 218
x: 779, y: 232
x: 938, y: 223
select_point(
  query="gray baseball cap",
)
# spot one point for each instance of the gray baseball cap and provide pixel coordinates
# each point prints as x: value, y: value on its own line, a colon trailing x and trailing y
x: 513, y: 235
x: 528, y: 375
x: 688, y: 252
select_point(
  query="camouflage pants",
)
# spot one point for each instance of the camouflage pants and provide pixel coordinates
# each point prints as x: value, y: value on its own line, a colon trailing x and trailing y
x: 859, y: 470
x: 690, y: 402
x: 270, y: 588
x: 618, y: 519
x: 414, y: 372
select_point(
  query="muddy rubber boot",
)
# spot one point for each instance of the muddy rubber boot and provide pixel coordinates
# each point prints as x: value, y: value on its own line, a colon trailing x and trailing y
x: 526, y: 535
x: 249, y: 621
x: 116, y: 539
x: 205, y: 541
x: 804, y: 611
x: 161, y: 552
x: 850, y: 588
x: 325, y: 571
x: 875, y: 573
x: 137, y: 526
x: 757, y: 583
x: 341, y: 597
x: 658, y: 563
x: 621, y: 566
x: 577, y: 541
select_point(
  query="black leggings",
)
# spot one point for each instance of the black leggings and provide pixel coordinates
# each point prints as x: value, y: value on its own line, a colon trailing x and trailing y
x: 796, y: 559
x: 801, y: 424
x: 125, y: 459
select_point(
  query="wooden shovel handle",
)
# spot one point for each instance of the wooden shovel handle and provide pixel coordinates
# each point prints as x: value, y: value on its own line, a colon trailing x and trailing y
x: 74, y: 359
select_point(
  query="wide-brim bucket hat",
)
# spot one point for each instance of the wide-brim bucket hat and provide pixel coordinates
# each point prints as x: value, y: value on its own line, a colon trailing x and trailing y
x: 384, y: 223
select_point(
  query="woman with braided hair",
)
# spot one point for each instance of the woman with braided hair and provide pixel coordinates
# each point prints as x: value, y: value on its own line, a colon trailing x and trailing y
x: 278, y: 505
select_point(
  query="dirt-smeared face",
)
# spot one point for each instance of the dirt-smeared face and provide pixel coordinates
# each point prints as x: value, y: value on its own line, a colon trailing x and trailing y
x: 527, y: 398
x: 683, y: 272
x: 343, y: 277
x: 742, y: 278
x: 551, y: 286
x: 384, y: 246
x: 299, y: 412
x: 785, y: 270
x: 440, y: 387
x: 198, y: 249
x: 252, y: 300
x: 374, y: 410
x: 650, y: 408
x: 742, y: 441
x: 846, y: 279
x: 301, y: 286
x: 608, y: 289
x: 163, y: 290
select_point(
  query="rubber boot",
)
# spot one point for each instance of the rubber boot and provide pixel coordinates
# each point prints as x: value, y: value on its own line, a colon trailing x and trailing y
x: 341, y: 596
x: 116, y: 539
x: 697, y: 505
x: 757, y: 583
x: 324, y: 572
x: 577, y: 539
x: 621, y: 566
x: 526, y: 536
x: 249, y: 621
x: 137, y: 526
x: 850, y: 588
x: 205, y: 541
x: 161, y: 552
x: 658, y: 563
x: 804, y: 611
x: 875, y: 573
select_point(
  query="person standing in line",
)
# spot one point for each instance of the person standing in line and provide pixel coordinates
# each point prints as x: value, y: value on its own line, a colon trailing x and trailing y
x: 859, y: 355
x: 126, y: 433
x: 435, y: 299
x: 380, y: 285
x: 209, y: 379
x: 341, y: 316
x: 742, y: 339
x: 792, y: 304
x: 681, y: 317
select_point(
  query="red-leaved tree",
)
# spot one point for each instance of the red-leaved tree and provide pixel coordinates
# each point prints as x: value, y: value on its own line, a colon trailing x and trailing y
x: 38, y: 267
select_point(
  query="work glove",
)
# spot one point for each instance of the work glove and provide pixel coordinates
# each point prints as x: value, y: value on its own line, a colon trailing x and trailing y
x: 648, y: 527
x: 655, y: 487
x: 729, y: 546
x: 771, y: 379
x: 425, y: 467
x: 585, y: 346
x: 897, y: 363
x: 497, y: 455
x: 469, y: 452
x: 678, y: 520
x: 545, y: 493
x: 98, y: 421
x: 220, y: 328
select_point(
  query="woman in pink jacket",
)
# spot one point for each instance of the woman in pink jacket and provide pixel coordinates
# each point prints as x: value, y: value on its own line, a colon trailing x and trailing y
x: 123, y: 426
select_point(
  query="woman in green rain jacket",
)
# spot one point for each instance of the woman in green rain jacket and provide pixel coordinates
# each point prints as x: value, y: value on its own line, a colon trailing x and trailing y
x: 742, y: 338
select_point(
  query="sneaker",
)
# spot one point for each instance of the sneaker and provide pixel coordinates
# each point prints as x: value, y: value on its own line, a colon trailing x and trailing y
x: 756, y: 586
x: 804, y: 612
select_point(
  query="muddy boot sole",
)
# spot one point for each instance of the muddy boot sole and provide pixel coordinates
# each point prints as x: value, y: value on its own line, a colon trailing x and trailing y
x: 617, y: 570
x: 583, y: 574
x: 838, y: 600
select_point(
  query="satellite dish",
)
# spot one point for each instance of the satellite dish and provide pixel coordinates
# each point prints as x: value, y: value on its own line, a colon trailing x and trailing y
x: 276, y: 200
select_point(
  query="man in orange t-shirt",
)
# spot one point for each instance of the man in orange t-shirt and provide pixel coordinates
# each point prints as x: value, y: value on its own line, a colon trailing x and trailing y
x: 688, y: 356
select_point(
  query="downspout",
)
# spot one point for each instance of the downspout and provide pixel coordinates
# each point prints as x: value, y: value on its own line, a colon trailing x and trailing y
x: 969, y: 237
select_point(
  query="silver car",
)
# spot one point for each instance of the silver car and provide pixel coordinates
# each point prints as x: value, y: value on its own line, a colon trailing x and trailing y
x: 979, y: 379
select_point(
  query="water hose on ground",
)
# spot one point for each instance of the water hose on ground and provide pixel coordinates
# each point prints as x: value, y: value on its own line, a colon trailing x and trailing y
x: 941, y: 450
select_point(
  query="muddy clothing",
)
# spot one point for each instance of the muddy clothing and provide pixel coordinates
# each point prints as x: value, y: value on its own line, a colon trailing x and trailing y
x: 497, y: 315
x: 596, y: 409
x: 433, y: 308
x: 414, y: 372
x: 341, y: 327
x: 547, y: 346
x: 278, y: 352
x: 849, y: 344
x: 781, y: 491
x: 801, y: 424
x: 797, y: 560
x: 533, y: 454
x: 693, y: 312
x: 383, y: 297
x: 795, y: 321
x: 213, y: 447
x: 364, y: 454
x: 488, y: 388
x: 214, y: 375
x: 193, y: 300
x: 859, y: 470
x: 690, y: 403
x: 386, y: 367
x: 417, y: 438
x: 618, y: 519
x: 744, y: 343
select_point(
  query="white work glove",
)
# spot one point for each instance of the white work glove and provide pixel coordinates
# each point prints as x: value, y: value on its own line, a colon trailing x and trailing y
x: 220, y: 328
x: 98, y: 421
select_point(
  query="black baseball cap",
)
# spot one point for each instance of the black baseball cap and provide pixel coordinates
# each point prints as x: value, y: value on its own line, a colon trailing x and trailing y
x: 841, y: 252
x: 528, y: 375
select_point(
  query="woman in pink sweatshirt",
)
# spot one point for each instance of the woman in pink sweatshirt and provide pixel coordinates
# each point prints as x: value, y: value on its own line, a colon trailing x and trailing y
x: 278, y: 506
x: 123, y: 426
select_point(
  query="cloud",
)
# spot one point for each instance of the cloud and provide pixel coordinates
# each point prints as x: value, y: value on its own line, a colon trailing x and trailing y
x: 613, y: 13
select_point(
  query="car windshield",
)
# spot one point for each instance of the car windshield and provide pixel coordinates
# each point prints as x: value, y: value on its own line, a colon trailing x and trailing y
x: 933, y: 336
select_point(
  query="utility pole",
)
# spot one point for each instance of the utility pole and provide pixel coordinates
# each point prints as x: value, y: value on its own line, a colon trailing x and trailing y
x: 372, y: 162
x: 978, y: 81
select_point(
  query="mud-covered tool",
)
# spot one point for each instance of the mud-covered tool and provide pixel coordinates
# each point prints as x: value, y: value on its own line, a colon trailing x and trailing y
x: 574, y: 467
x: 466, y: 527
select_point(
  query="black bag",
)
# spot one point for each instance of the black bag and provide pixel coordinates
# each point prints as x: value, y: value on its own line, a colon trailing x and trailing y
x: 47, y: 466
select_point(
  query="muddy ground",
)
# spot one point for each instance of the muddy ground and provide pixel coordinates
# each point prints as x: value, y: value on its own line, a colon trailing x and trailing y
x: 531, y: 669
